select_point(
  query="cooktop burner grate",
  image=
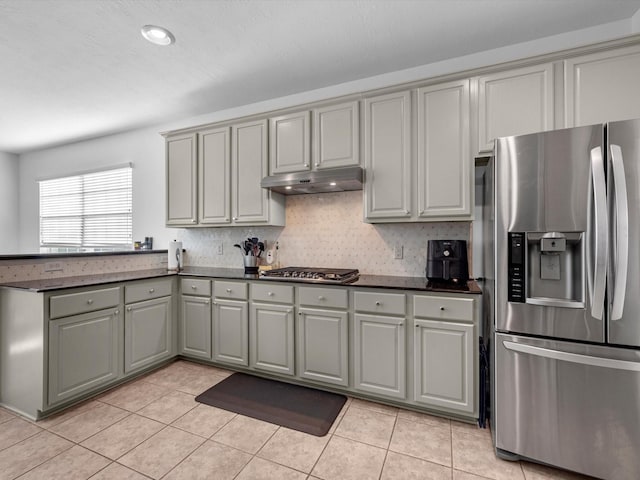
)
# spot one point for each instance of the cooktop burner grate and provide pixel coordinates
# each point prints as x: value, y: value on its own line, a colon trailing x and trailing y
x: 312, y: 274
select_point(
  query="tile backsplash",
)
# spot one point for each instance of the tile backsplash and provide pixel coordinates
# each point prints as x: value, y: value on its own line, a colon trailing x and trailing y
x: 326, y: 230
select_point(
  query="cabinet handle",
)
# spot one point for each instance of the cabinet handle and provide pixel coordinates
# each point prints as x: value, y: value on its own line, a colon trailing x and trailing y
x: 128, y: 309
x: 306, y: 164
x: 442, y: 308
x: 194, y: 287
x: 378, y: 303
x: 235, y: 218
x: 299, y: 313
x: 90, y: 302
x: 317, y: 164
x: 117, y: 312
x: 151, y: 290
x: 214, y: 303
x: 320, y: 297
x: 193, y: 221
x: 206, y: 302
x: 289, y: 311
x: 270, y: 294
x: 228, y: 290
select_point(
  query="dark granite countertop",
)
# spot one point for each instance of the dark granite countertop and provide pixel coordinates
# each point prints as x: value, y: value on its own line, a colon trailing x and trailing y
x: 367, y: 281
x: 60, y: 283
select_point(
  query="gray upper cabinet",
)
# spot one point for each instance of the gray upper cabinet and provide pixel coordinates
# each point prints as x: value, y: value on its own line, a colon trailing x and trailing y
x: 602, y: 87
x: 289, y: 143
x: 387, y: 157
x: 181, y: 174
x: 515, y: 102
x: 83, y: 353
x: 252, y: 204
x: 214, y: 176
x: 444, y: 162
x: 336, y: 136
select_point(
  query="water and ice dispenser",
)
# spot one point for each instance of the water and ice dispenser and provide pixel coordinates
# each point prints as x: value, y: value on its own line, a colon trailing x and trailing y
x: 546, y: 268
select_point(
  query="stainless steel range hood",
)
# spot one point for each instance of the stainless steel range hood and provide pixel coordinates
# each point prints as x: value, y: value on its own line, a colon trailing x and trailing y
x: 320, y: 181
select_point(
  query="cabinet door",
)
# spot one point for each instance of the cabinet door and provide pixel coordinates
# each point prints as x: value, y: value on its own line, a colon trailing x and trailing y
x: 195, y: 327
x: 214, y: 176
x: 271, y: 336
x: 147, y: 333
x: 322, y: 346
x: 514, y: 102
x: 181, y: 171
x: 289, y: 143
x: 387, y: 156
x: 249, y: 166
x: 602, y: 87
x: 444, y: 365
x: 231, y: 332
x: 379, y: 355
x: 444, y: 161
x: 83, y: 353
x: 336, y: 136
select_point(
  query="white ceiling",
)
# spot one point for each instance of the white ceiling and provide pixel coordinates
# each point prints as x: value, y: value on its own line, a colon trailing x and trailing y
x: 74, y: 69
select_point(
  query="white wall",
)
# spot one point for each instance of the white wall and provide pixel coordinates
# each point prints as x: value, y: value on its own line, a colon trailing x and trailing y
x: 145, y: 148
x: 9, y: 220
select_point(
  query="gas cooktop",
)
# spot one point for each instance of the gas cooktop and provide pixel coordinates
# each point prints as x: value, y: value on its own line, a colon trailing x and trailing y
x: 312, y: 275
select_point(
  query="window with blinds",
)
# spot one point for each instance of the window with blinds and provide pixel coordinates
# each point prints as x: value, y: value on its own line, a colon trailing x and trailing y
x: 87, y: 212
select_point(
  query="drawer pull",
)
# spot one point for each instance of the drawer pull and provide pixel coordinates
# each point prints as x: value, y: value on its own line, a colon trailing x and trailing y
x: 270, y: 294
x: 206, y: 302
x: 128, y: 309
x: 442, y: 308
x: 228, y: 290
x: 378, y: 303
x: 320, y: 297
x: 117, y: 312
x: 151, y: 290
x: 194, y: 287
x: 90, y: 302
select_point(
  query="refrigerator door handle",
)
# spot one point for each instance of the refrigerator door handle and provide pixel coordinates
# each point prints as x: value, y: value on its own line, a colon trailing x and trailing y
x: 622, y: 233
x: 601, y: 235
x: 572, y: 357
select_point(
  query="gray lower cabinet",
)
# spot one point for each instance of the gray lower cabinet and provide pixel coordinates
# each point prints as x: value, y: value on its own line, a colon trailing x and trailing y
x: 444, y: 364
x: 271, y: 334
x: 230, y: 331
x: 147, y: 333
x: 323, y: 348
x: 379, y: 355
x: 83, y: 353
x: 195, y: 326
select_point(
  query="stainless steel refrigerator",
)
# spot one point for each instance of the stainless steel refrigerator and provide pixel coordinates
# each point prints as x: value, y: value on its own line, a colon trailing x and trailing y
x: 562, y: 264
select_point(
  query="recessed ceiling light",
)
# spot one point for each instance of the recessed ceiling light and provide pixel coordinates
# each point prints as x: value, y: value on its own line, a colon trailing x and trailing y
x: 158, y: 35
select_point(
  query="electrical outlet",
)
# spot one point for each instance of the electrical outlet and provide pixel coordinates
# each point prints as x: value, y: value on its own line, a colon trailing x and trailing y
x: 397, y: 252
x: 219, y: 249
x: 53, y: 267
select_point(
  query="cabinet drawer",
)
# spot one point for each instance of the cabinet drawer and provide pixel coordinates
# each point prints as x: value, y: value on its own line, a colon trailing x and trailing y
x: 443, y: 307
x: 323, y: 297
x: 138, y: 292
x: 74, y: 303
x: 391, y: 303
x: 236, y: 290
x: 192, y: 286
x: 268, y: 292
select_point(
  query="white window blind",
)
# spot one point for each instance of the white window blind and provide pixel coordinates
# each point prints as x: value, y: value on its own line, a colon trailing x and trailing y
x: 87, y: 212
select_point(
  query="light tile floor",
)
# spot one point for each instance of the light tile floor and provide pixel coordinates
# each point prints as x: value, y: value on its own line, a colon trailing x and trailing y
x: 153, y: 428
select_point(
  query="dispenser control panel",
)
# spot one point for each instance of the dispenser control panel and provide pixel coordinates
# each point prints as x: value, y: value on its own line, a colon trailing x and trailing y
x: 516, y: 285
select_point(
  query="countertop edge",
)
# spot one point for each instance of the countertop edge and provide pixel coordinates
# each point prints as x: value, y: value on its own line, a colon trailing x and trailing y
x: 390, y: 282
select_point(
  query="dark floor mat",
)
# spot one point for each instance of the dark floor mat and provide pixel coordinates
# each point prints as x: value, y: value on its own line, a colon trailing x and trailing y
x: 292, y: 406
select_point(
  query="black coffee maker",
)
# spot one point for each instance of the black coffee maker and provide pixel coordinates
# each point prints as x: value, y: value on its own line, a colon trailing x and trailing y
x: 447, y: 261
